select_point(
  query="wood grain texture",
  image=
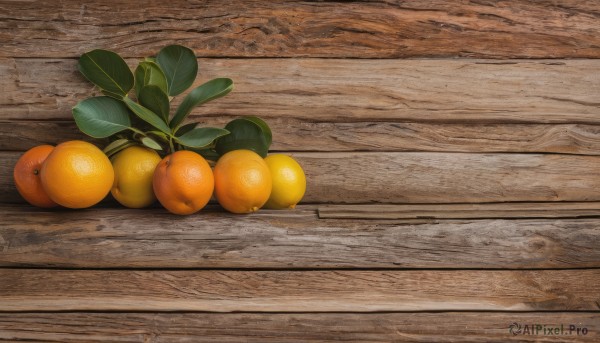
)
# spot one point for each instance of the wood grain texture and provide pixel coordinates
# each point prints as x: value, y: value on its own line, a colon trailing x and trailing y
x: 290, y: 327
x: 383, y: 29
x: 337, y: 90
x: 425, y: 177
x: 299, y: 291
x: 304, y: 135
x: 462, y: 211
x: 120, y: 238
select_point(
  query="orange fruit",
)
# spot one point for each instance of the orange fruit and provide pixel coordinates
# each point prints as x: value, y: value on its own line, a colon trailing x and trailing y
x: 77, y: 174
x: 242, y: 181
x: 27, y: 176
x: 183, y: 182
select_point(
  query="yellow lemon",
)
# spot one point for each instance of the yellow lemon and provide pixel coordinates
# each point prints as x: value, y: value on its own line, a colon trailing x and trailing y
x: 289, y: 182
x: 134, y: 168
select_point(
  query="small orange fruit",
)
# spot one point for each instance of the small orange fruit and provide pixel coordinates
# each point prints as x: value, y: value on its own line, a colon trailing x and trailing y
x: 183, y: 182
x: 77, y: 174
x: 242, y: 181
x: 27, y: 176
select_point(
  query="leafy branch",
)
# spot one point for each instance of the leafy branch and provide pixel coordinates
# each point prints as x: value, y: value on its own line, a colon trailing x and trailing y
x: 146, y: 119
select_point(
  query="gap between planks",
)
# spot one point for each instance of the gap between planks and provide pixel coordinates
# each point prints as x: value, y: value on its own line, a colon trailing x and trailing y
x: 461, y: 211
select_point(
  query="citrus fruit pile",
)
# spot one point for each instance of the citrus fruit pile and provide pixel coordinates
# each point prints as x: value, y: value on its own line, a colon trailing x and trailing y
x: 152, y: 155
x: 77, y: 174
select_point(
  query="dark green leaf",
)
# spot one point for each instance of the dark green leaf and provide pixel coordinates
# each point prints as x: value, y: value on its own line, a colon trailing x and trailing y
x: 186, y: 128
x: 180, y: 67
x: 206, y: 92
x: 149, y: 73
x: 101, y: 116
x: 201, y: 137
x: 108, y: 71
x: 245, y: 134
x: 147, y: 115
x: 154, y: 99
x: 151, y: 143
x: 112, y: 95
x: 209, y: 154
x: 263, y: 126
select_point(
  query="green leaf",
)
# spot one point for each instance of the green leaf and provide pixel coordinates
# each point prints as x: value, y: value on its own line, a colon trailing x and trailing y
x: 245, y: 134
x: 209, y: 154
x: 202, y: 137
x: 186, y: 128
x: 180, y: 67
x: 147, y: 115
x: 102, y: 116
x: 154, y: 99
x: 149, y: 73
x: 108, y: 71
x: 151, y: 143
x: 263, y: 126
x: 206, y: 92
x: 115, y: 144
x: 118, y: 145
x: 159, y: 134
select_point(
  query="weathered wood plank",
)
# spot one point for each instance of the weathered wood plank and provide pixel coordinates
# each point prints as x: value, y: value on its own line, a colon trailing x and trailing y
x: 387, y: 29
x: 326, y: 90
x: 119, y: 238
x: 298, y: 291
x: 304, y: 135
x: 462, y: 211
x: 406, y: 177
x: 294, y: 327
x: 448, y: 178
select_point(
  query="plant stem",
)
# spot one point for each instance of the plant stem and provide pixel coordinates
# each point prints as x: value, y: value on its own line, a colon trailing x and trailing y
x: 137, y: 131
x: 172, y: 147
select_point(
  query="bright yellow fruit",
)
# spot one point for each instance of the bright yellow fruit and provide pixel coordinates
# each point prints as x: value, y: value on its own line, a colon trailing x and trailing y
x: 77, y: 174
x: 242, y: 181
x: 289, y: 182
x: 134, y: 168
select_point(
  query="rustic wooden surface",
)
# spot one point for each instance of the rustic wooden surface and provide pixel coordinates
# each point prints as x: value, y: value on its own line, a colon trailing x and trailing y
x: 299, y: 291
x: 116, y: 238
x: 452, y: 152
x: 287, y: 327
x: 383, y: 29
x: 304, y: 135
x: 324, y: 90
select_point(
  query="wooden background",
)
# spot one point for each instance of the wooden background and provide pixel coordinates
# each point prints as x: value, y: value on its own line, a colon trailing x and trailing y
x: 452, y: 150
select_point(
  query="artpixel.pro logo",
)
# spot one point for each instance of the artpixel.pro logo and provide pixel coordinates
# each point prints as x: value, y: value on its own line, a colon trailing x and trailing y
x: 547, y: 329
x: 515, y: 328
